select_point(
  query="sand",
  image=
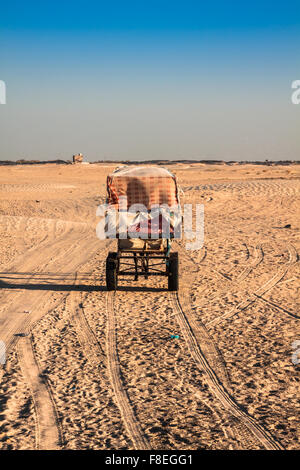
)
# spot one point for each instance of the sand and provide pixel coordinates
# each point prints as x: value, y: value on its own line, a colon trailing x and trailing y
x: 88, y: 369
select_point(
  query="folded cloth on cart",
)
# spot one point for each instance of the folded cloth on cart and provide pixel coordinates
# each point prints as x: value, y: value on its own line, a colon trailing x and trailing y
x: 157, y: 223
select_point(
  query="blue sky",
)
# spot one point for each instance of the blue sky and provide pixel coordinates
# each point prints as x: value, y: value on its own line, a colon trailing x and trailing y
x: 143, y: 80
x: 138, y: 15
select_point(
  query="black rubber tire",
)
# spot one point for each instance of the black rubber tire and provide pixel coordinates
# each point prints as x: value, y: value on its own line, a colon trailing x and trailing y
x: 173, y: 278
x: 112, y: 268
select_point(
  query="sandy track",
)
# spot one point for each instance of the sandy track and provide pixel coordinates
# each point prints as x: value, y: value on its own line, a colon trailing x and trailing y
x: 86, y: 336
x: 133, y: 428
x: 200, y: 332
x: 161, y: 384
x: 214, y: 384
x: 61, y: 253
x: 47, y: 431
x: 293, y: 258
x: 208, y: 357
x: 250, y: 187
x: 257, y: 259
x: 34, y: 187
x: 13, y: 317
x: 277, y: 306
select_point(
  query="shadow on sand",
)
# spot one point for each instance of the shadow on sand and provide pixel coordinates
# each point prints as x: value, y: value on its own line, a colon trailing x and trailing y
x: 59, y: 282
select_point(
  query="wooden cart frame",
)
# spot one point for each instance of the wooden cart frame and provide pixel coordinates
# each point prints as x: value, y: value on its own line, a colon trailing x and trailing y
x: 142, y: 262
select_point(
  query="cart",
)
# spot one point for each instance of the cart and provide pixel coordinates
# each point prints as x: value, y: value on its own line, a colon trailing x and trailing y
x: 146, y: 198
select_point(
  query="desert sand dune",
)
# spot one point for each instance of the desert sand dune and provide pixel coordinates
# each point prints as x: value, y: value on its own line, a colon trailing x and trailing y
x: 88, y: 369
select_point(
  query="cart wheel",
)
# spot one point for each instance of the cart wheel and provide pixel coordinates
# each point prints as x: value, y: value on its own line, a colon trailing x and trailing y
x: 112, y: 268
x: 173, y: 280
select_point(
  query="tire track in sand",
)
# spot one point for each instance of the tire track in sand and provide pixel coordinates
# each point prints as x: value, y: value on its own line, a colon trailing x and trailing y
x: 228, y: 282
x: 277, y: 307
x: 257, y: 259
x: 214, y: 383
x: 293, y: 258
x: 130, y: 421
x: 67, y: 254
x: 242, y: 428
x: 209, y: 347
x: 48, y: 433
x: 11, y: 319
x: 253, y: 262
x: 86, y: 336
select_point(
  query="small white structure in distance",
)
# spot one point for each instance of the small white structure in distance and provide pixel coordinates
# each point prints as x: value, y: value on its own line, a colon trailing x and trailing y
x: 78, y: 158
